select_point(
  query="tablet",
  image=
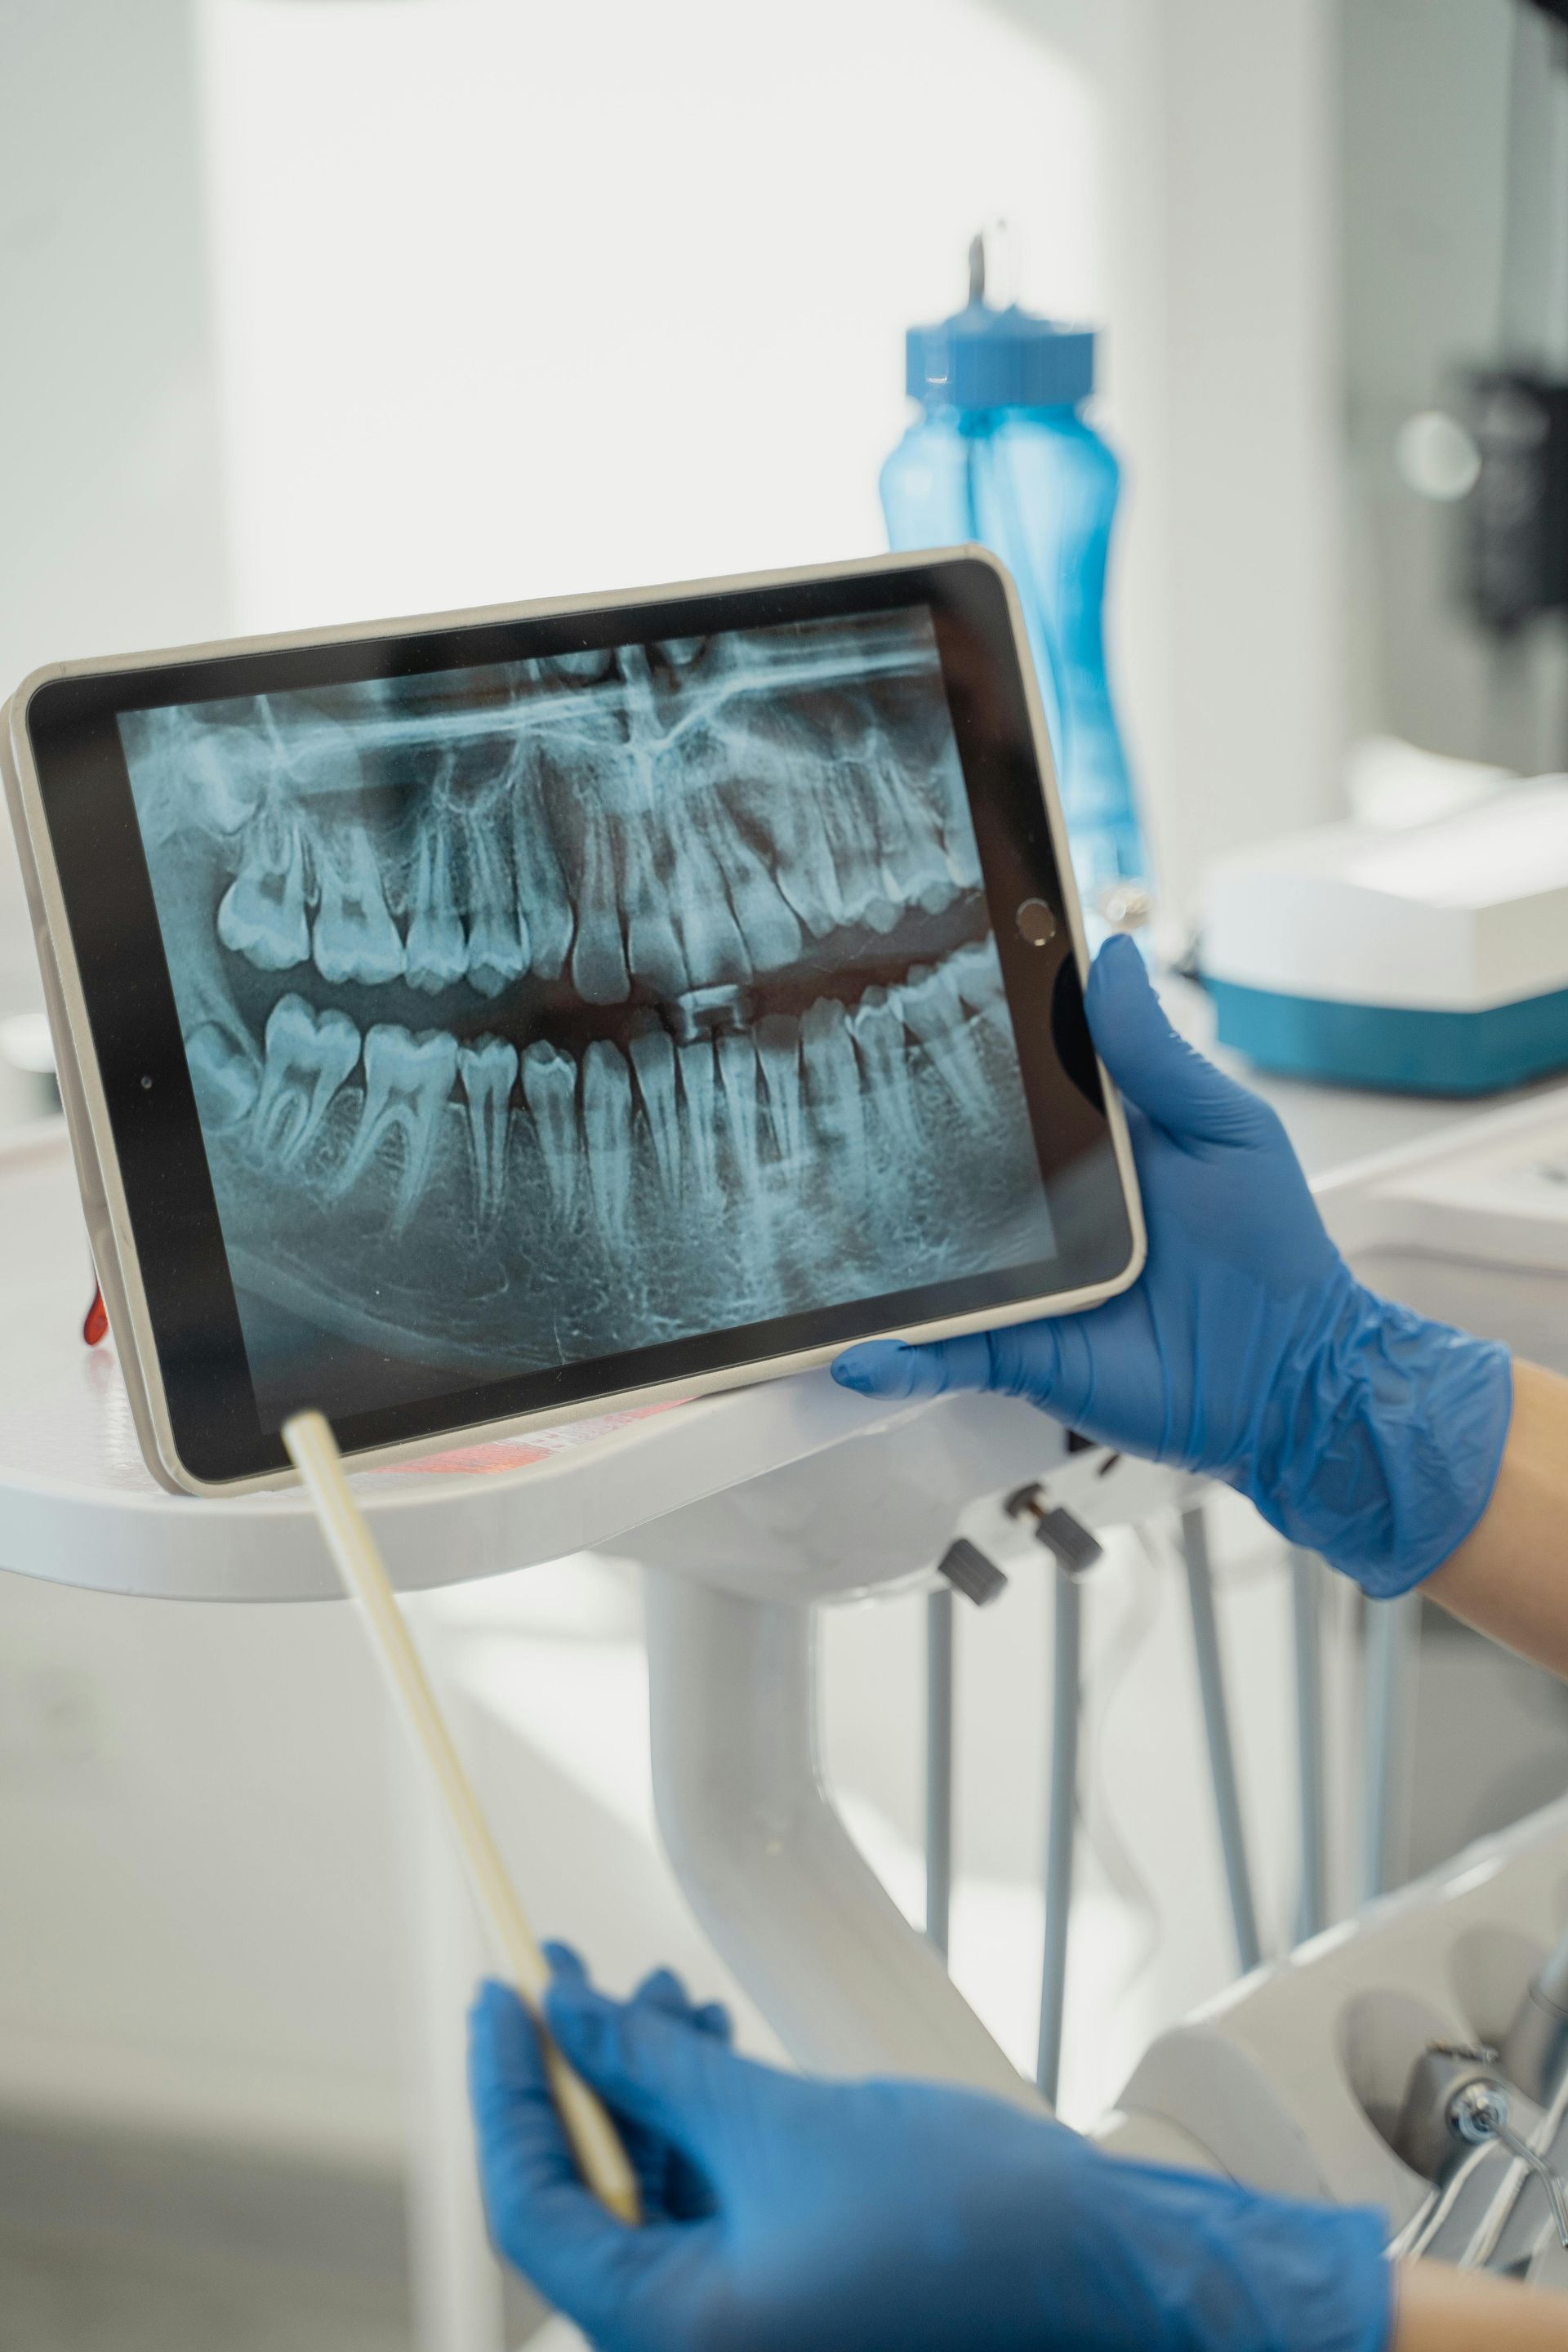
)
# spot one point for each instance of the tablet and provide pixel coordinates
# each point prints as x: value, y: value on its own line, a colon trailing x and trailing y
x: 487, y: 1019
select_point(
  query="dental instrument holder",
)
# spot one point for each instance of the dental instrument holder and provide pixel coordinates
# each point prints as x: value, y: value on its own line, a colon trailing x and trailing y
x: 965, y: 1568
x: 1075, y: 1550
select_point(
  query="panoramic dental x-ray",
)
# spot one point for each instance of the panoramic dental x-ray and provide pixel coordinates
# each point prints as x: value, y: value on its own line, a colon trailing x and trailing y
x: 569, y: 1005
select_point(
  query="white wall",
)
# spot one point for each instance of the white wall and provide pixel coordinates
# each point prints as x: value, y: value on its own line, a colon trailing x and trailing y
x: 523, y: 299
x: 110, y: 525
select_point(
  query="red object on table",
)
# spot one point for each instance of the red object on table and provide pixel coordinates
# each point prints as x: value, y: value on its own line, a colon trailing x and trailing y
x: 96, y: 1326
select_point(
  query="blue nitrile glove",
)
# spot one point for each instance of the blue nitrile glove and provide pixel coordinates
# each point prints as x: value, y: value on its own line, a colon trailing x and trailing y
x: 1246, y: 1348
x: 782, y: 2212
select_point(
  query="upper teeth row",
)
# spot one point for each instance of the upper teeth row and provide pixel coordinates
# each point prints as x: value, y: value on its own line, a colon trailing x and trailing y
x: 682, y: 900
x: 831, y: 1062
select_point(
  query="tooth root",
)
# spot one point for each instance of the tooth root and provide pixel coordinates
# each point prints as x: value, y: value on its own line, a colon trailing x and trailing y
x: 308, y: 1059
x: 543, y: 906
x: 607, y: 1131
x: 261, y: 915
x: 550, y: 1090
x: 833, y: 1082
x: 766, y: 922
x: 855, y: 862
x: 878, y: 1031
x: 408, y: 1082
x: 653, y: 950
x: 499, y: 943
x: 355, y: 937
x: 710, y: 937
x: 778, y: 1049
x: 933, y: 1012
x: 738, y: 1076
x: 489, y: 1071
x: 696, y: 1062
x: 805, y: 860
x: 958, y: 840
x: 437, y: 954
x: 653, y: 1059
x: 914, y: 867
x: 599, y: 958
x: 225, y: 1073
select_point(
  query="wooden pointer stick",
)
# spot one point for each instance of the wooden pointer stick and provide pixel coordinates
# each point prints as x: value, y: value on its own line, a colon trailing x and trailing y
x: 595, y: 2144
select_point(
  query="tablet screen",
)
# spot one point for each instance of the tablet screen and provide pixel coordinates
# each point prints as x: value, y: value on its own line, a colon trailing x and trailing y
x: 559, y: 1008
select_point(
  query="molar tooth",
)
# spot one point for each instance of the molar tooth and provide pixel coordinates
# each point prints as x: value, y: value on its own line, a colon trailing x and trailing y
x: 878, y: 1031
x: 599, y: 958
x: 653, y: 950
x: 931, y: 1010
x: 607, y: 1130
x: 715, y: 953
x: 356, y: 938
x: 489, y: 1071
x: 767, y: 922
x: 696, y: 1062
x: 778, y: 1049
x: 977, y: 974
x: 541, y: 898
x: 738, y: 1076
x: 225, y: 1073
x: 261, y: 915
x: 550, y: 1089
x: 437, y: 954
x: 498, y: 929
x: 408, y: 1081
x: 833, y: 1082
x: 308, y: 1059
x: 653, y: 1059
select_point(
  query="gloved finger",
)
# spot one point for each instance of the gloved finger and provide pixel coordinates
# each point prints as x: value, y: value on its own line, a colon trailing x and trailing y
x: 662, y: 1989
x: 566, y: 1963
x: 660, y: 2072
x: 541, y: 2217
x: 888, y: 1368
x: 1049, y: 1362
x: 1156, y: 1069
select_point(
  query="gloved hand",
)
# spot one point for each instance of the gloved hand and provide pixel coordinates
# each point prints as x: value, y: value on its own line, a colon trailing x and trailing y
x: 1246, y: 1348
x: 878, y: 2217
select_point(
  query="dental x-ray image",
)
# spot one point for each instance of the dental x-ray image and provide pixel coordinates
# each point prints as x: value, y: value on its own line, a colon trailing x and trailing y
x: 562, y: 1007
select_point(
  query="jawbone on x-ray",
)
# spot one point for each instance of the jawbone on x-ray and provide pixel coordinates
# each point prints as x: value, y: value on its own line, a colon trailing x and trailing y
x: 565, y: 1006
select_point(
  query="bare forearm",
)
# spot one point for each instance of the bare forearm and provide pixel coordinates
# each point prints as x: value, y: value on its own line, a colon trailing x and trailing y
x: 1509, y: 1577
x: 1444, y: 2310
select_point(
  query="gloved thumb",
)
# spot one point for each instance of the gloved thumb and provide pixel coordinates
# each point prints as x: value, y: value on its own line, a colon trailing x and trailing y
x: 891, y: 1368
x: 1154, y: 1068
x: 663, y: 2071
x: 1047, y: 1362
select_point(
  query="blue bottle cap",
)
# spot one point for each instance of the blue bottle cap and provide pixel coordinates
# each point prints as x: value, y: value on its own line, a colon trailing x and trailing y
x: 986, y: 358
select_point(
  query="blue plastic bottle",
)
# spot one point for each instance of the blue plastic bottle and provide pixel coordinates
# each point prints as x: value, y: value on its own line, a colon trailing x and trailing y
x: 1000, y: 453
